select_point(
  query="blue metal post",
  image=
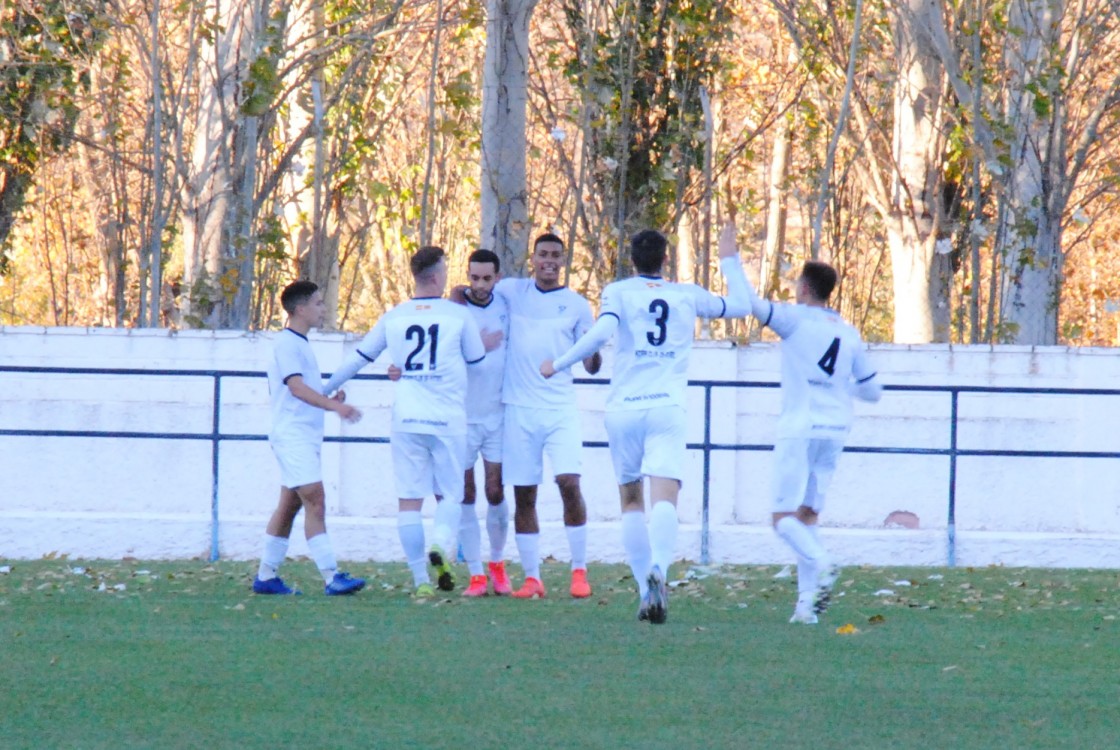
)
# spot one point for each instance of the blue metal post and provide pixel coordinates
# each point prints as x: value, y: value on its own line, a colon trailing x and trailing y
x: 704, y: 530
x: 214, y: 441
x: 954, y: 395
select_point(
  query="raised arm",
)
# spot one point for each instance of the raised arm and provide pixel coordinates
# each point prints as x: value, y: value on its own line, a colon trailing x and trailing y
x: 741, y: 298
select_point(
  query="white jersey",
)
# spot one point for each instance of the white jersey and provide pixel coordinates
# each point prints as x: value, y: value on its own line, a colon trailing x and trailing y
x: 656, y: 324
x: 432, y: 340
x: 542, y: 325
x: 484, y: 380
x: 823, y: 358
x: 293, y: 419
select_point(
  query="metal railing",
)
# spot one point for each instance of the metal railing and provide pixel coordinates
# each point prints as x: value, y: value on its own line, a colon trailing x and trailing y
x: 215, y: 436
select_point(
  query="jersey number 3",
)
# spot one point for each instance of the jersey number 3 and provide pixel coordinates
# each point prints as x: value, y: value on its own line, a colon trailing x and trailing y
x: 660, y: 308
x: 431, y: 339
x: 828, y: 361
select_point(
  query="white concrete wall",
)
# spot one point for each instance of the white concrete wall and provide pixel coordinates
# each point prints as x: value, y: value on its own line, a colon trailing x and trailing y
x: 99, y: 497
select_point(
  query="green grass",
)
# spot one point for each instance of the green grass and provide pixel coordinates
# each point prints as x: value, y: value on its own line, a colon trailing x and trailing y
x: 185, y: 657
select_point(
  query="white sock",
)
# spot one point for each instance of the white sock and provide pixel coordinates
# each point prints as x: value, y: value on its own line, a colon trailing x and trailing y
x: 275, y: 550
x: 323, y: 555
x: 410, y: 528
x: 663, y: 534
x: 528, y: 547
x: 635, y: 540
x: 577, y: 542
x: 806, y: 578
x: 448, y: 513
x: 470, y: 539
x: 497, y: 529
x: 800, y: 539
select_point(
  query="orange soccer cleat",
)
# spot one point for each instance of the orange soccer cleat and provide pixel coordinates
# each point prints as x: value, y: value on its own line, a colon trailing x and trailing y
x: 581, y: 589
x: 531, y: 589
x: 499, y: 580
x: 477, y: 586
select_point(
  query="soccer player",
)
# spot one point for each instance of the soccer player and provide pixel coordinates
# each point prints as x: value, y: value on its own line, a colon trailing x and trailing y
x: 484, y: 429
x: 541, y: 417
x: 824, y: 363
x: 431, y: 340
x: 645, y: 413
x: 295, y: 390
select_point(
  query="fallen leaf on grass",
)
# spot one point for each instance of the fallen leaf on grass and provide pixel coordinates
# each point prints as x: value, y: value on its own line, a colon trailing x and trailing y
x: 848, y: 629
x: 876, y: 619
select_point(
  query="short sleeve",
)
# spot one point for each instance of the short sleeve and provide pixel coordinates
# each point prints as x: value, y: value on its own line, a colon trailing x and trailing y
x: 473, y: 348
x: 708, y: 305
x: 287, y: 356
x: 586, y: 319
x: 374, y: 342
x: 783, y: 319
x: 610, y: 302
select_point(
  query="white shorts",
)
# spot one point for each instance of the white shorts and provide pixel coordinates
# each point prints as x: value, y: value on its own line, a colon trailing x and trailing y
x: 647, y: 442
x: 484, y: 440
x: 426, y: 463
x: 299, y: 461
x: 803, y: 469
x: 529, y: 433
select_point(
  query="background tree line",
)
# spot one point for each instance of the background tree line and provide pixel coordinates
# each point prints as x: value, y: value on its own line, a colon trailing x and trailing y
x: 175, y: 163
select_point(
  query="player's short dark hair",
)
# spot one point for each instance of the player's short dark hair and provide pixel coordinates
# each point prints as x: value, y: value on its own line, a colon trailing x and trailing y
x: 297, y: 293
x: 482, y: 255
x: 647, y: 250
x: 821, y: 279
x: 423, y: 260
x: 547, y: 237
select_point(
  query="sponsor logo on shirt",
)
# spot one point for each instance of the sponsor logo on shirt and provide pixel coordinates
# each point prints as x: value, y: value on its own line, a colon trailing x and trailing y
x: 646, y: 397
x: 423, y: 307
x: 431, y: 422
x: 654, y: 353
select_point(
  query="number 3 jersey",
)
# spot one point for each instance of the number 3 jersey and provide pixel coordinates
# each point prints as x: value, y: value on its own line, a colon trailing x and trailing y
x: 432, y: 340
x: 656, y: 323
x: 823, y: 358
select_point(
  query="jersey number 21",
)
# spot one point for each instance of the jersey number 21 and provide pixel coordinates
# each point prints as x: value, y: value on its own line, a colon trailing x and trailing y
x: 430, y: 340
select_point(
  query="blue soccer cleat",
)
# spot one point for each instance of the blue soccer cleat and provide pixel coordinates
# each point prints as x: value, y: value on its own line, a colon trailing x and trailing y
x: 272, y: 586
x: 342, y: 585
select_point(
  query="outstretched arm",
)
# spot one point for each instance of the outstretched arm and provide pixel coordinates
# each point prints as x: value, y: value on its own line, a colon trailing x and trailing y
x: 309, y: 395
x: 586, y: 347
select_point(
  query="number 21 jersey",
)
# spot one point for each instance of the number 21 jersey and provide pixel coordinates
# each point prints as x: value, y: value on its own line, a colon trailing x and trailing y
x: 432, y: 340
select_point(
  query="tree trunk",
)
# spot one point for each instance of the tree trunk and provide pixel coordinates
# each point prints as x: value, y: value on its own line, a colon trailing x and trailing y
x: 207, y: 204
x: 1029, y: 302
x: 921, y: 309
x: 505, y: 224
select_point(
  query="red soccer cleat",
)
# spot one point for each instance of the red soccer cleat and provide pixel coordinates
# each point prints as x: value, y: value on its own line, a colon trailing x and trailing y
x: 531, y: 589
x: 477, y: 586
x: 499, y: 580
x: 581, y: 589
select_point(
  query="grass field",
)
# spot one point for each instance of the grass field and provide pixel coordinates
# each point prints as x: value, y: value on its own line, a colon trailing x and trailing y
x: 107, y: 654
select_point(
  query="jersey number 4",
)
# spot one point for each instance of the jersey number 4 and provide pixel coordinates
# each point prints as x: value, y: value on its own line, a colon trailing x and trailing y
x: 430, y: 340
x: 660, y: 308
x: 828, y: 361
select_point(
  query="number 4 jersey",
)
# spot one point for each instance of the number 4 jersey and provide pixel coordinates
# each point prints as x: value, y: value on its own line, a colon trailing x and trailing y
x: 432, y: 340
x: 823, y: 358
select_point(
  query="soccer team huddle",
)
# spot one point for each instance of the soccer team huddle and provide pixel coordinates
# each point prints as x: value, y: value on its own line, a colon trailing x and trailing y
x: 486, y: 374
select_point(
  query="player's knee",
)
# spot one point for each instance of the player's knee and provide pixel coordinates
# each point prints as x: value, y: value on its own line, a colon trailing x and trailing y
x: 568, y: 484
x: 807, y: 515
x: 495, y: 494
